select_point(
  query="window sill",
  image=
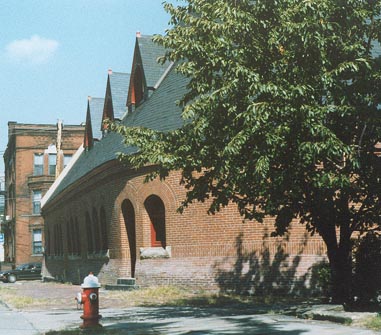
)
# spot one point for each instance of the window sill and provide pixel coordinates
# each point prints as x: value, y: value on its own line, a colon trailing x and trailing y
x: 61, y: 257
x: 155, y: 252
x: 31, y: 215
x: 99, y: 255
x: 73, y: 257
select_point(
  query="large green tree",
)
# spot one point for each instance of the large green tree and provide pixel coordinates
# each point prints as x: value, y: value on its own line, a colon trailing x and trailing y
x: 282, y: 115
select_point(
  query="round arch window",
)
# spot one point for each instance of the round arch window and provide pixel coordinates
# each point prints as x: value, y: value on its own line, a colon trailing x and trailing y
x: 156, y: 212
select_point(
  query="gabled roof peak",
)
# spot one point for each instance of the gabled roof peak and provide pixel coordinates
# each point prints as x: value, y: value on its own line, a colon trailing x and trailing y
x: 111, y: 72
x: 116, y: 96
x: 93, y: 119
x: 146, y: 70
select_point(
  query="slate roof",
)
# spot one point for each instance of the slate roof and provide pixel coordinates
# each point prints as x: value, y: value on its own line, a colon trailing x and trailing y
x: 149, y: 53
x: 96, y: 112
x: 160, y: 112
x: 119, y: 83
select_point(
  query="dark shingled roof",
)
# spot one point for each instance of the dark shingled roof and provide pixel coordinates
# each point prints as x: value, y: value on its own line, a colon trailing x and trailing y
x: 149, y: 53
x: 96, y: 112
x: 119, y: 83
x: 160, y: 112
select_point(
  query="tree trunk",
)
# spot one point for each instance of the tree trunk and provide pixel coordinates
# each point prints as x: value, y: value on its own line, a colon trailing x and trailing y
x: 339, y: 250
x: 340, y: 261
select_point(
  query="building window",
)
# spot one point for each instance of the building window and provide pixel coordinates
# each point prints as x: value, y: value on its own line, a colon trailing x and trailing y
x: 77, y: 237
x: 156, y: 212
x: 58, y: 241
x: 97, y: 236
x: 67, y: 159
x: 48, y: 241
x: 89, y: 231
x: 69, y: 237
x: 37, y: 241
x: 38, y: 164
x: 52, y: 164
x: 104, y: 230
x: 36, y: 202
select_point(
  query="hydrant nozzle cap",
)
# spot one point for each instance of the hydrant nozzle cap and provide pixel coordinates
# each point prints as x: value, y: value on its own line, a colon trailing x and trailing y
x: 90, y: 281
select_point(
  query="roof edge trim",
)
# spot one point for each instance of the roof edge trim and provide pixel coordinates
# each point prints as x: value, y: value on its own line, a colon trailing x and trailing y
x: 167, y: 70
x: 63, y: 174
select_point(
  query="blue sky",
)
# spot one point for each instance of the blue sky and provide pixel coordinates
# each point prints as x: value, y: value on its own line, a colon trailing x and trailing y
x: 55, y: 53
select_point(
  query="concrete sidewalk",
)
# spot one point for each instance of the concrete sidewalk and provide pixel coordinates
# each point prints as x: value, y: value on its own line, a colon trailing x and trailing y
x: 63, y: 318
x: 181, y: 321
x: 13, y: 323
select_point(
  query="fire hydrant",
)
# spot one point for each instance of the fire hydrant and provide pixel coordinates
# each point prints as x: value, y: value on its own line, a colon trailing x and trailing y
x: 89, y: 298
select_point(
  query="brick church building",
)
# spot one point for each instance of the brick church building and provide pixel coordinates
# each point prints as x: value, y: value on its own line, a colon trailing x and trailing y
x: 100, y: 216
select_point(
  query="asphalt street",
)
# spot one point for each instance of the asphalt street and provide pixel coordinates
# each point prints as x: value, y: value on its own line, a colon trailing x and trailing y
x: 14, y: 323
x: 169, y: 321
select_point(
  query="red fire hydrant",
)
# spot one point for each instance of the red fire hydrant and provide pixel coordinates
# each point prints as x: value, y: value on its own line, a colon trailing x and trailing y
x: 90, y: 300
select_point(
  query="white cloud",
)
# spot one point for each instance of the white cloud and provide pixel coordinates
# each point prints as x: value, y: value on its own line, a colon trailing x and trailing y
x: 35, y: 50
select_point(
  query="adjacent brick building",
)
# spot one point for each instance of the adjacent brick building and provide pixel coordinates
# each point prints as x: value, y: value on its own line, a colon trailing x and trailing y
x: 102, y: 217
x: 35, y: 155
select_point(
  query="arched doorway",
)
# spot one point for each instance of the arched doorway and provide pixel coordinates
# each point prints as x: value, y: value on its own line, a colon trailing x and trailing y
x: 156, y: 212
x: 129, y: 220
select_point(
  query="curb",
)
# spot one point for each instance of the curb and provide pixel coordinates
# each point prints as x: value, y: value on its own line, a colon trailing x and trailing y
x: 346, y: 320
x: 332, y: 313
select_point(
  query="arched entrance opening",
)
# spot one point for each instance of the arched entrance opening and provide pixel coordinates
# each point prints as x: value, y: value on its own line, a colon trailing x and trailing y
x: 156, y: 212
x: 129, y: 221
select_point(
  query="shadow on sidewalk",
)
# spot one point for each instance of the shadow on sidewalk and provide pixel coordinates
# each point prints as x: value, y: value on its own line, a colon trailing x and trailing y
x: 185, y: 321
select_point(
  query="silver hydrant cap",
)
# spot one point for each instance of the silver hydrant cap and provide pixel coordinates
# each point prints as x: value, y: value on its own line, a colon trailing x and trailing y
x: 90, y: 282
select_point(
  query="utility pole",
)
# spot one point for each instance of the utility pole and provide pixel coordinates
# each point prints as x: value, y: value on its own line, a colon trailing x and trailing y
x: 59, y: 156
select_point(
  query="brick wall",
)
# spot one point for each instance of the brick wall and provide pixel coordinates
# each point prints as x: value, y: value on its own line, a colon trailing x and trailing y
x: 218, y: 251
x: 26, y: 140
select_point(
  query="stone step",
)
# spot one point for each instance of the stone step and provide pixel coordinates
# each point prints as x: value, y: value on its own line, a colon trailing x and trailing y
x: 121, y: 287
x: 126, y: 281
x: 123, y: 284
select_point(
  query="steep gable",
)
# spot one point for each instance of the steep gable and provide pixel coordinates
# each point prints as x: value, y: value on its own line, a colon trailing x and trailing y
x: 160, y: 112
x: 116, y: 96
x: 88, y: 136
x: 93, y: 121
x: 146, y: 70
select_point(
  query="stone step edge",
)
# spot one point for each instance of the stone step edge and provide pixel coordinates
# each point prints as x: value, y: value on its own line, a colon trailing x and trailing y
x: 126, y: 281
x: 121, y: 287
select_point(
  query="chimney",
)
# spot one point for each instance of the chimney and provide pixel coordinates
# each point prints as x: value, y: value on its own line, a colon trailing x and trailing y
x: 138, y: 34
x: 88, y: 98
x: 109, y: 71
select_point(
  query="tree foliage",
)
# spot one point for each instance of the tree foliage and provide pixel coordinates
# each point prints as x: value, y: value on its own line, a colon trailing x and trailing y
x: 283, y: 112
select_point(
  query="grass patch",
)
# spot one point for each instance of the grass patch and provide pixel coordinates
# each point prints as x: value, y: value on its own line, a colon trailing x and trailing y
x: 9, y: 297
x: 373, y: 322
x: 182, y: 297
x: 22, y: 302
x: 152, y: 296
x: 62, y: 296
